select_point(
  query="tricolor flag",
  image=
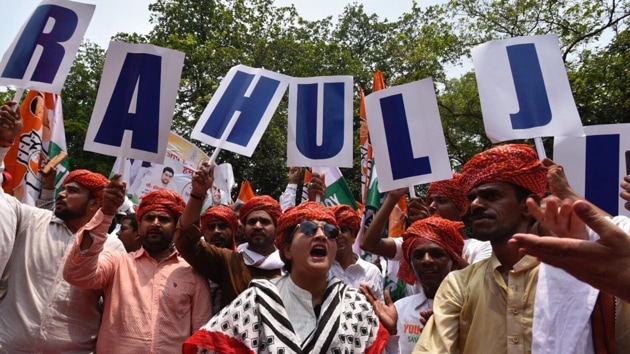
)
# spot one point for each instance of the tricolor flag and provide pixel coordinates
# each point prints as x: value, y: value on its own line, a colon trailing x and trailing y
x: 42, y: 136
x: 337, y: 189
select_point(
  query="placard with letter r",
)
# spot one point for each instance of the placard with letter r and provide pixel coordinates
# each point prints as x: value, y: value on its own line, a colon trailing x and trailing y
x: 320, y: 122
x: 407, y: 136
x: 241, y: 108
x: 42, y: 53
x: 595, y: 164
x: 136, y: 98
x: 524, y: 89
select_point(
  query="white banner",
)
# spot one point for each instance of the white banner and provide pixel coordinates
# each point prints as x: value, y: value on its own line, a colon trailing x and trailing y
x: 134, y: 108
x: 595, y: 164
x: 42, y: 53
x: 320, y: 122
x: 524, y: 89
x: 407, y: 136
x: 239, y: 112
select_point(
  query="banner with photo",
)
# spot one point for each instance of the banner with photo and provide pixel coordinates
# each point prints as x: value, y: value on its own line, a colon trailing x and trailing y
x: 180, y: 163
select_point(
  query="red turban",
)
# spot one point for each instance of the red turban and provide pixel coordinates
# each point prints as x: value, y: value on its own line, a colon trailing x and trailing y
x: 161, y: 200
x: 514, y: 163
x: 93, y: 181
x: 297, y: 214
x: 452, y: 189
x: 220, y: 213
x: 261, y: 202
x: 443, y: 232
x: 347, y: 217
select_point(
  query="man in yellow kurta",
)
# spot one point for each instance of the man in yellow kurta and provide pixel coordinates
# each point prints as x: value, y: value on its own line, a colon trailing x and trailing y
x: 488, y: 307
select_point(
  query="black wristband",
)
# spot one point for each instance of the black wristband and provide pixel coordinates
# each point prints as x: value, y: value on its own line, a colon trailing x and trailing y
x: 197, y: 197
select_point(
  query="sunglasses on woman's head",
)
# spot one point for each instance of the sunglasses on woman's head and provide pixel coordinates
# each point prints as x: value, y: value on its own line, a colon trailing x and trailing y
x: 309, y: 228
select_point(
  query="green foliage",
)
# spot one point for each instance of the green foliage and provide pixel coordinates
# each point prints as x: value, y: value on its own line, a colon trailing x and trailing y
x: 78, y: 97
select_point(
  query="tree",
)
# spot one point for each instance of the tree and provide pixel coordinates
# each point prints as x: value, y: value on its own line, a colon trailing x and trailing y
x: 78, y: 97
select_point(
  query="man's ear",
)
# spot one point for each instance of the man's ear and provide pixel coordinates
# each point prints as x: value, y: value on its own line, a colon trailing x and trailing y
x: 287, y: 251
x: 94, y: 204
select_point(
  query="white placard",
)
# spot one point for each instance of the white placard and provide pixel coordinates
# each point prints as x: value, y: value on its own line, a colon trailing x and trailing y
x: 320, y: 122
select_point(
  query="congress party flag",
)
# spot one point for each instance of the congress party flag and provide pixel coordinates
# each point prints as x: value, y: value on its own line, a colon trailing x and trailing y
x: 337, y: 189
x: 42, y: 137
x: 320, y: 122
x: 136, y: 98
x: 524, y: 89
x: 407, y: 136
x: 42, y: 53
x: 595, y: 164
x: 239, y: 112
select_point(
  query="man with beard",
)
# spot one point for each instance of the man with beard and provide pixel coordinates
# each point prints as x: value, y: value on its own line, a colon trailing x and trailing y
x: 41, y: 312
x: 348, y: 266
x: 153, y: 298
x: 232, y: 270
x: 488, y: 307
x: 219, y: 226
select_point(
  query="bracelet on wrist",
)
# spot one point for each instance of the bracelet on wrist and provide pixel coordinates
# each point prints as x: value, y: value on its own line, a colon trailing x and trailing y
x: 198, y: 197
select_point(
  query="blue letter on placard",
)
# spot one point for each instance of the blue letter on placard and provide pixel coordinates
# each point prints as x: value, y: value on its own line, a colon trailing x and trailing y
x: 530, y: 88
x: 251, y: 108
x: 306, y: 120
x: 65, y: 23
x: 143, y: 70
x: 602, y: 172
x: 403, y: 163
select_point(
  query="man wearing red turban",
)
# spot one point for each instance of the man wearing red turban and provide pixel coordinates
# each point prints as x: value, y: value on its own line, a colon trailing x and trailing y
x: 154, y: 299
x: 41, y: 312
x: 500, y: 290
x: 232, y: 270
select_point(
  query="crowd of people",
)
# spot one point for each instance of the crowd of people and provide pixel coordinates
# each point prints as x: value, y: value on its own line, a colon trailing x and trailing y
x: 502, y: 258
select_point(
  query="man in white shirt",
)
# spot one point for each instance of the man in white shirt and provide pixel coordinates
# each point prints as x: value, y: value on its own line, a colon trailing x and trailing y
x: 348, y: 266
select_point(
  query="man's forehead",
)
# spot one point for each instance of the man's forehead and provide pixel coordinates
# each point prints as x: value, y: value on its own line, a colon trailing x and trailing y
x: 76, y: 185
x: 157, y: 213
x: 490, y: 186
x: 259, y: 214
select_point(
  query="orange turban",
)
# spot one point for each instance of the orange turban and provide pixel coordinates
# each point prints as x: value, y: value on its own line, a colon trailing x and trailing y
x: 443, y: 232
x: 297, y: 214
x: 513, y: 163
x: 220, y: 213
x: 347, y: 217
x: 452, y: 189
x: 161, y: 200
x: 261, y: 202
x: 93, y: 181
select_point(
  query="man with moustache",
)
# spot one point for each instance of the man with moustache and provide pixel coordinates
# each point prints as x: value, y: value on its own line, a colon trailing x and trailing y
x: 219, y: 226
x: 232, y: 270
x: 41, y: 312
x: 153, y: 298
x: 488, y: 307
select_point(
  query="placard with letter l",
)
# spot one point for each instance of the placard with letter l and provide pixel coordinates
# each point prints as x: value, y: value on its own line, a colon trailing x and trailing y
x: 407, y: 136
x: 134, y: 107
x: 42, y: 53
x: 524, y: 89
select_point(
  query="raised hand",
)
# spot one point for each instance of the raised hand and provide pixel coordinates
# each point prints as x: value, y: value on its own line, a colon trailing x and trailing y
x: 113, y: 195
x: 386, y: 311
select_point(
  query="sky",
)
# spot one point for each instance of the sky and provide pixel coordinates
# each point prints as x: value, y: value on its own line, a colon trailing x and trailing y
x: 113, y: 16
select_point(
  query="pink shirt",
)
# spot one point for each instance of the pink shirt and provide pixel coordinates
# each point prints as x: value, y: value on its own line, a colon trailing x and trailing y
x: 149, y: 306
